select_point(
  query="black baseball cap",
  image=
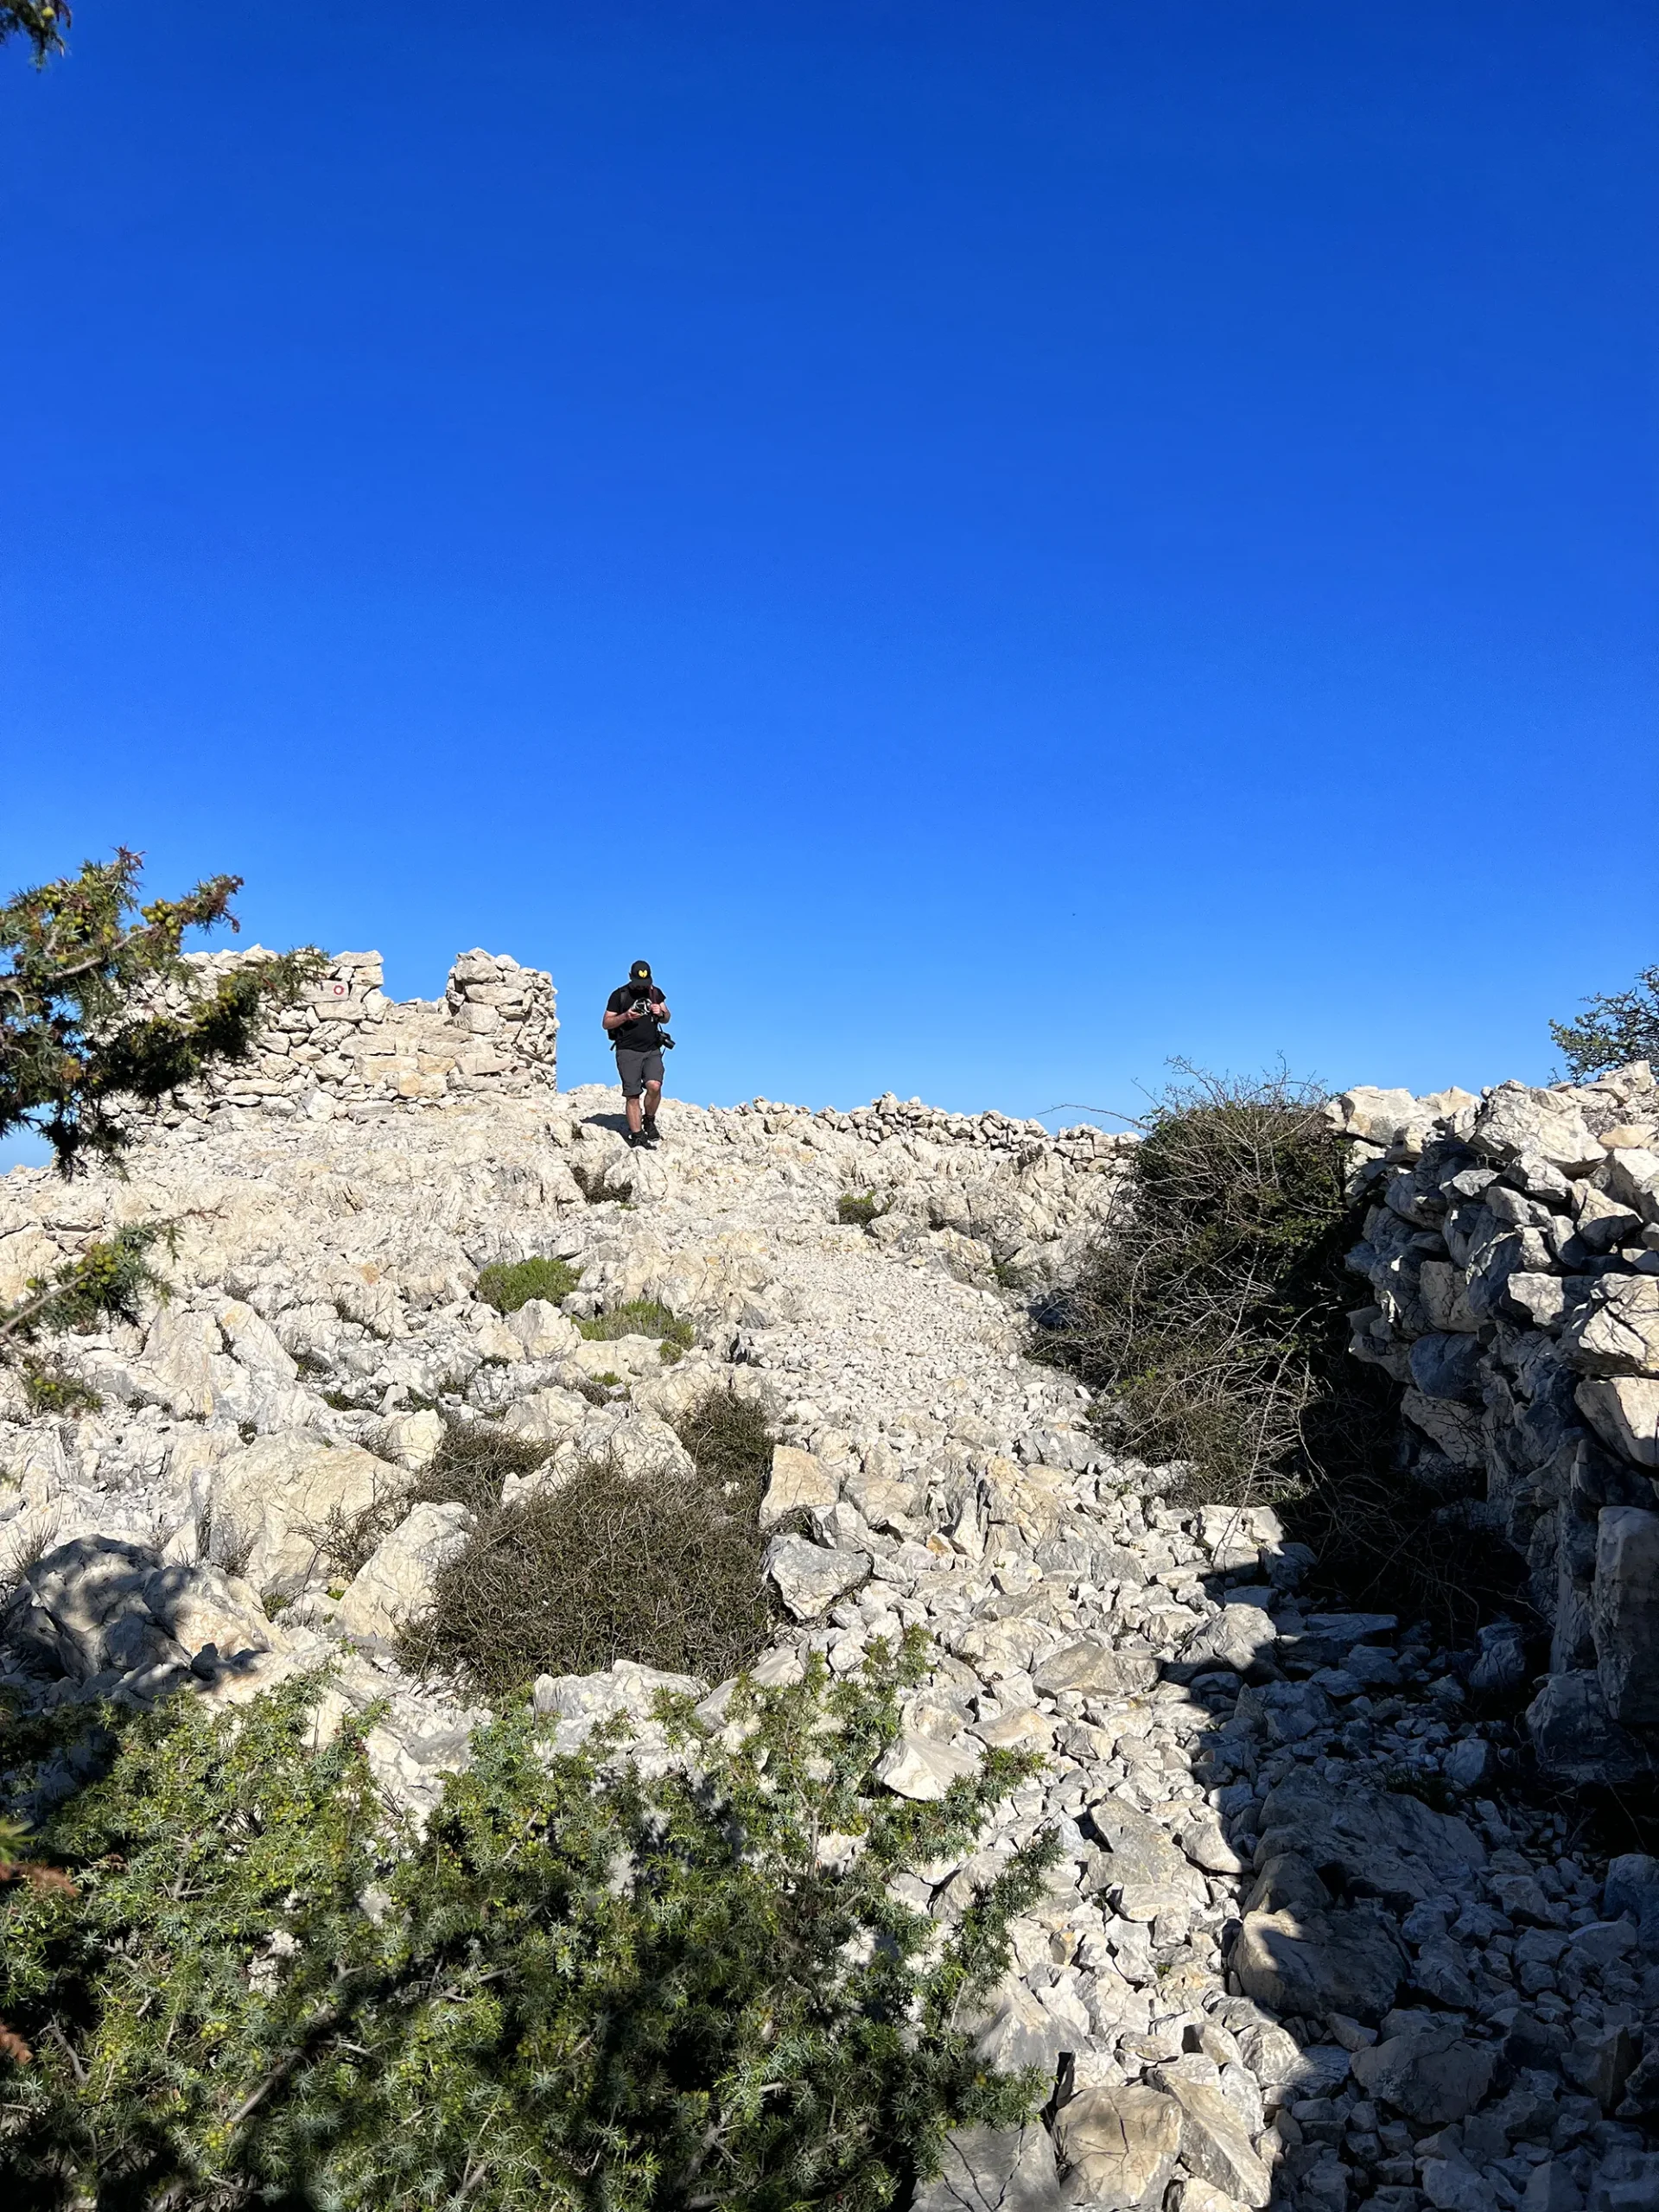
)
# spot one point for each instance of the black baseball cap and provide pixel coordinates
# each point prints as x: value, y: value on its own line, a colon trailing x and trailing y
x: 640, y: 972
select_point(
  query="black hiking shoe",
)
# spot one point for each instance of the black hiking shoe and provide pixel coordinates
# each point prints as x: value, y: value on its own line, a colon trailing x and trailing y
x: 637, y: 1138
x: 651, y: 1134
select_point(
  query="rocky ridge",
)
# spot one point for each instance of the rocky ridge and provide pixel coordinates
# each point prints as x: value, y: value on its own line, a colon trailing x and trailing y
x: 1306, y: 1942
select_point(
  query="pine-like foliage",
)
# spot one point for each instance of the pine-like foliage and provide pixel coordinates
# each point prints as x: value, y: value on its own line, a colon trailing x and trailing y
x: 76, y: 1037
x: 81, y: 1037
x: 1614, y: 1029
x: 579, y: 1988
x: 41, y: 23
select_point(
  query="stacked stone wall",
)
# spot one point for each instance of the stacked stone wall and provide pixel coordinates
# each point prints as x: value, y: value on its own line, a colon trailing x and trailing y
x: 890, y: 1117
x: 1512, y: 1248
x: 348, y: 1048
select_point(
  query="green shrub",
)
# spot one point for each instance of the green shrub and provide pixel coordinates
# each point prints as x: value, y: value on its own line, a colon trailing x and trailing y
x: 640, y: 1317
x: 664, y: 1569
x: 1613, y: 1030
x: 509, y: 1284
x: 858, y: 1208
x: 50, y: 1389
x: 249, y: 1983
x: 1211, y: 1317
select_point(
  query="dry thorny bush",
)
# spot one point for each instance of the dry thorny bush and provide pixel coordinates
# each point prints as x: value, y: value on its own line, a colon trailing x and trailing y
x: 1204, y: 1318
x: 1212, y: 1321
x: 661, y: 1568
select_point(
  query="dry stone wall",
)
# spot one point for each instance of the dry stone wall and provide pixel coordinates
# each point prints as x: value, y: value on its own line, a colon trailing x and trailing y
x: 348, y: 1048
x: 1512, y: 1250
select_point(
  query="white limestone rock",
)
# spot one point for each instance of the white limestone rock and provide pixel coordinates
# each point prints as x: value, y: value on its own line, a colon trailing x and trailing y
x: 1121, y: 2145
x: 809, y: 1578
x: 395, y: 1584
x: 799, y: 1482
x: 276, y: 1501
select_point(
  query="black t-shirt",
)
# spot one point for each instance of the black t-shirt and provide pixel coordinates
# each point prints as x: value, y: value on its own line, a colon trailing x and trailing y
x: 643, y: 1035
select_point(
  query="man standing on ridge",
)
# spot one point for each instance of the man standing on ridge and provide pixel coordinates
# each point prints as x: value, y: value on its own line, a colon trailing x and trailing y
x: 633, y: 1018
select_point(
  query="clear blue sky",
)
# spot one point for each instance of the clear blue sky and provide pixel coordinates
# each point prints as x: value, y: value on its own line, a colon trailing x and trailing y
x: 1048, y: 535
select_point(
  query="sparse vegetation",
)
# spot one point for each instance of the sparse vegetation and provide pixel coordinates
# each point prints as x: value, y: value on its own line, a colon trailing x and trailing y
x: 507, y: 1285
x: 640, y: 1317
x: 1211, y: 1317
x: 470, y: 1466
x: 241, y: 1980
x: 1613, y: 1029
x: 49, y: 1388
x: 659, y: 1567
x: 858, y: 1208
x: 728, y: 1438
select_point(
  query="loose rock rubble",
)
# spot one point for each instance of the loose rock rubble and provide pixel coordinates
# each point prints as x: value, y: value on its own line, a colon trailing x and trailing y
x: 1308, y: 1941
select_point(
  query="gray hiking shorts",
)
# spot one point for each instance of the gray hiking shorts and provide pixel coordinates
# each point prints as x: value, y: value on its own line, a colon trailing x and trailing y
x: 635, y: 1069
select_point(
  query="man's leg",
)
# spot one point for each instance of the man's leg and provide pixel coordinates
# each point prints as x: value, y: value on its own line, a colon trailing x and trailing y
x: 653, y: 1100
x: 630, y: 1073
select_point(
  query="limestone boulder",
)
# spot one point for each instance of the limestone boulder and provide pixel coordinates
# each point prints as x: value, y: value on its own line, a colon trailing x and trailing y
x: 1624, y: 1608
x: 1388, y: 1844
x: 1432, y: 2075
x: 1316, y: 1962
x: 922, y: 1768
x: 1516, y: 1119
x: 1624, y: 1411
x: 626, y: 1691
x: 994, y: 2170
x: 1120, y: 2144
x: 177, y: 1369
x: 97, y: 1607
x: 1139, y: 1868
x: 545, y: 1416
x: 1615, y: 1331
x: 82, y: 1610
x: 412, y: 1439
x: 1215, y: 2141
x: 1093, y: 1669
x: 635, y: 1445
x: 255, y: 1345
x: 1576, y: 1739
x: 809, y: 1577
x: 800, y: 1481
x: 1446, y: 1364
x: 208, y: 1613
x: 890, y: 1507
x: 281, y: 1500
x: 1633, y: 1180
x: 545, y: 1333
x: 1452, y: 1428
x: 395, y: 1584
x: 1239, y: 1636
x: 24, y: 1253
x: 633, y: 1358
x: 1015, y: 2028
x: 1376, y: 1115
